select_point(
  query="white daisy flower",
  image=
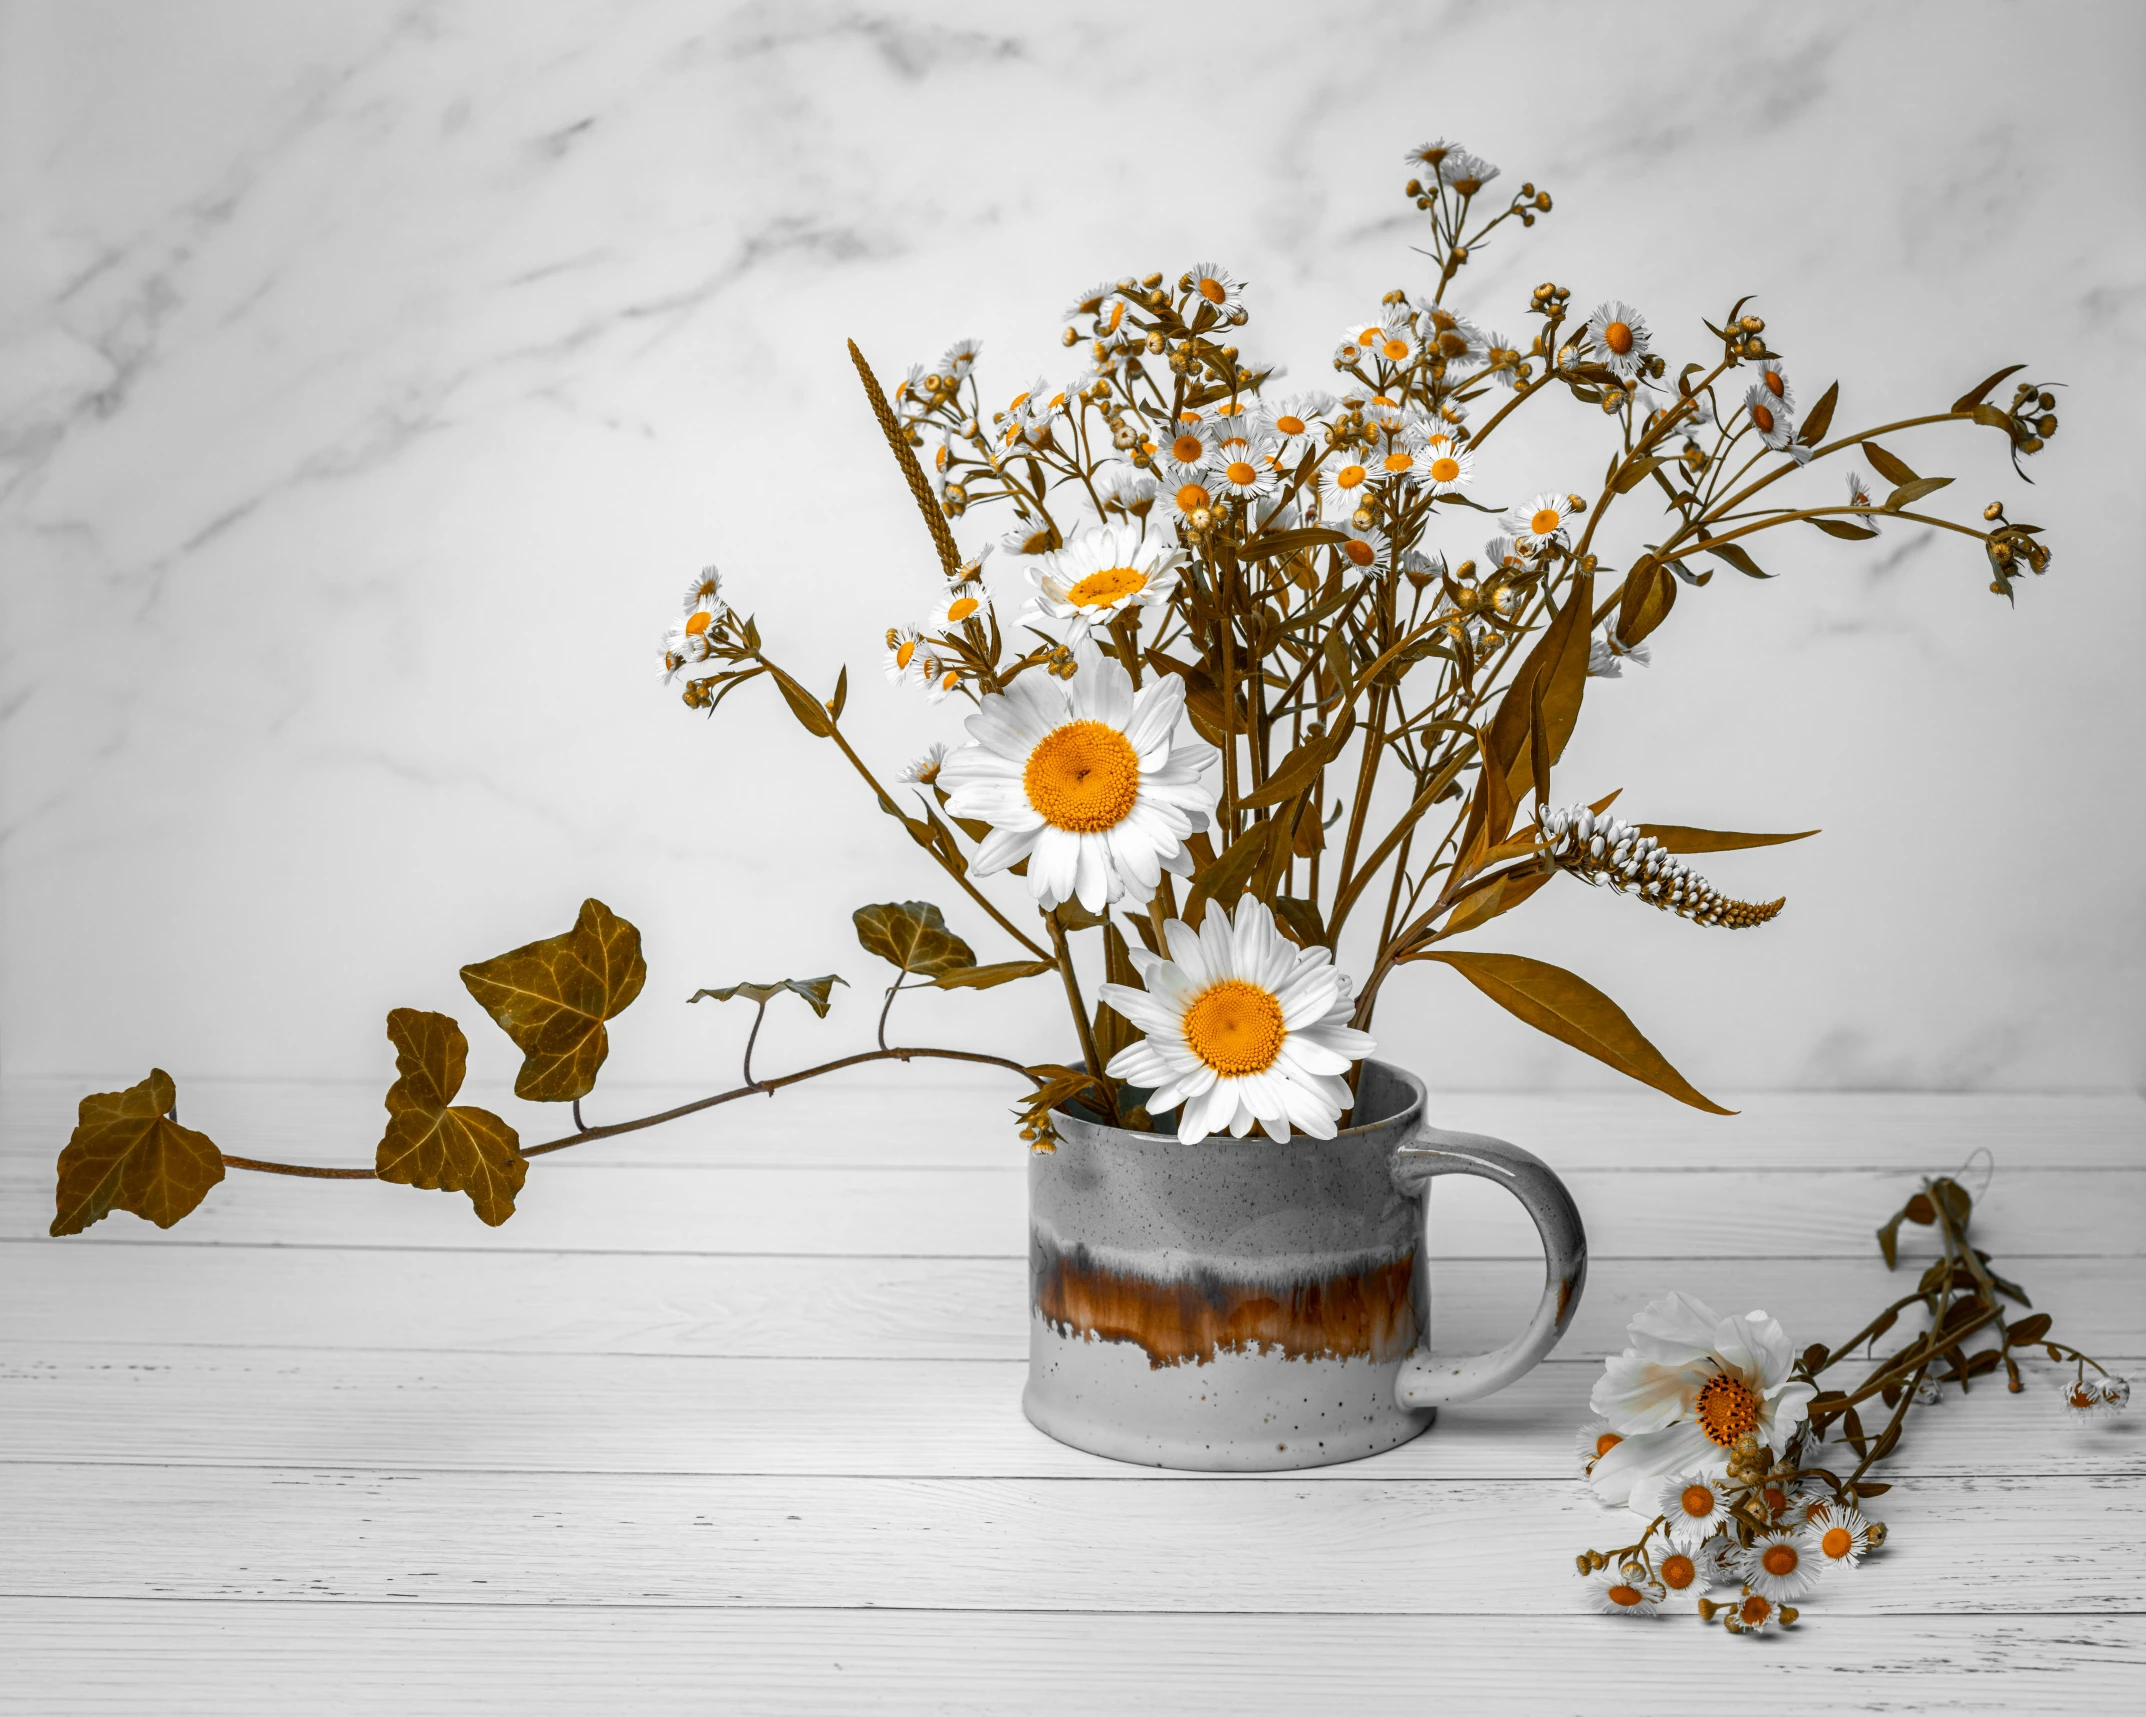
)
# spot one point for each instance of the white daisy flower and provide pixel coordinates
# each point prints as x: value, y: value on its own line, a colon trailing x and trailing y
x: 1087, y: 780
x: 1694, y: 1504
x: 704, y: 590
x: 1504, y: 358
x: 960, y: 358
x: 1623, y: 1592
x: 1774, y: 380
x: 1091, y: 302
x: 689, y: 635
x: 1242, y: 1026
x: 1348, y: 352
x: 1393, y: 344
x: 903, y: 662
x: 1690, y: 1384
x: 1213, y: 284
x: 675, y: 661
x: 2088, y: 1401
x: 1607, y: 653
x: 925, y: 770
x: 1123, y: 485
x: 940, y: 679
x: 1678, y: 1571
x: 1780, y: 1565
x: 1366, y: 548
x: 1542, y: 523
x: 1594, y: 1440
x: 1616, y: 336
x: 1715, y: 1557
x: 1029, y: 536
x: 1466, y: 172
x: 1503, y: 554
x: 1426, y: 157
x: 964, y: 601
x: 1104, y: 574
x: 1190, y: 447
x: 1841, y: 1535
x: 1345, y: 481
x: 1454, y: 339
x: 1448, y: 467
x: 1273, y: 513
x: 1184, y: 494
x: 1756, y: 1614
x: 1242, y: 471
x: 1859, y: 496
x: 1770, y: 418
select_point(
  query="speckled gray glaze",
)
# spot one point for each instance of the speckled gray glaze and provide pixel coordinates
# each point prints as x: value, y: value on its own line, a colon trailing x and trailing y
x: 1241, y: 1305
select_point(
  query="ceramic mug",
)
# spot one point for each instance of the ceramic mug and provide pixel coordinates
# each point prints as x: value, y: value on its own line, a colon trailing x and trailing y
x: 1241, y: 1305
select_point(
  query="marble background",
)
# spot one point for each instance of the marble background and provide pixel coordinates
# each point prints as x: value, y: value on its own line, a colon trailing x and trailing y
x: 371, y: 377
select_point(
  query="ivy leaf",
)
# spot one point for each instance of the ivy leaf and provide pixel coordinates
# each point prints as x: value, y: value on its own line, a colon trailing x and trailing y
x: 990, y: 977
x: 912, y: 935
x: 1570, y: 1009
x: 819, y: 993
x: 127, y: 1153
x: 552, y: 998
x: 430, y: 1145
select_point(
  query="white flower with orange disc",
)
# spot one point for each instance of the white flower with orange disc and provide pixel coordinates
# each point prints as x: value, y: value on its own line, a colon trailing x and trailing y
x: 1242, y: 1026
x: 941, y: 678
x: 1190, y: 445
x: 1774, y: 380
x: 1446, y: 467
x: 1619, y: 1591
x: 1595, y: 1439
x: 903, y: 663
x: 1345, y: 481
x: 1842, y: 1535
x: 964, y: 602
x: 925, y: 770
x: 1687, y: 1387
x: 1781, y: 1565
x: 1542, y: 523
x: 1770, y: 418
x: 1181, y: 494
x: 1243, y: 471
x: 1213, y: 284
x: 1616, y: 337
x: 1086, y: 779
x: 1105, y: 573
x: 1694, y: 1505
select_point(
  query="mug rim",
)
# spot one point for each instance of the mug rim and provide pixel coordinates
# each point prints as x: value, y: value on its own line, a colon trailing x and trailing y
x: 1409, y: 1112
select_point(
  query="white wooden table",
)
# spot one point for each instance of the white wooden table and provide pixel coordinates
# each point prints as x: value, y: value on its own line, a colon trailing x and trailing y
x: 727, y: 1418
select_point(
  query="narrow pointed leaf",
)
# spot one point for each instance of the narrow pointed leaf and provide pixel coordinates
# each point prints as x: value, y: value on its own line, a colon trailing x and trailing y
x: 1820, y: 417
x: 1976, y: 395
x: 990, y: 977
x: 1224, y: 880
x: 127, y: 1153
x: 1891, y: 469
x: 1559, y: 658
x: 1844, y: 529
x: 1567, y: 1007
x: 553, y: 997
x: 1499, y: 898
x: 1675, y: 838
x: 1737, y: 558
x: 1909, y: 493
x: 430, y: 1144
x: 810, y: 712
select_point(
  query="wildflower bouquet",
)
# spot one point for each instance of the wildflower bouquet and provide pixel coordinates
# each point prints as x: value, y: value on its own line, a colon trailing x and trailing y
x: 1723, y: 1439
x: 1245, y: 672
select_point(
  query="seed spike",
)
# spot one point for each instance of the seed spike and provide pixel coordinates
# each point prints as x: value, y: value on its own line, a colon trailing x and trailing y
x: 927, y: 503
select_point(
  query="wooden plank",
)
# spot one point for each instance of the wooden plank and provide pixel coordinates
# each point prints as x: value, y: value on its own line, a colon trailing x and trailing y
x: 925, y: 1115
x: 94, y: 1659
x: 420, y: 1301
x: 597, y: 1413
x: 1430, y: 1547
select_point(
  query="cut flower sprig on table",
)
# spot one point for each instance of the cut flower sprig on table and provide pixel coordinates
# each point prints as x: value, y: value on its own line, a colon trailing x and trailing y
x: 1255, y: 690
x: 1750, y: 1471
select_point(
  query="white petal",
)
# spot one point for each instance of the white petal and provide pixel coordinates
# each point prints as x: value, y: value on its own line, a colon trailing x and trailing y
x: 1054, y: 867
x: 1634, y: 1393
x: 1676, y: 1330
x: 1653, y: 1455
x: 1003, y: 847
x: 1092, y: 879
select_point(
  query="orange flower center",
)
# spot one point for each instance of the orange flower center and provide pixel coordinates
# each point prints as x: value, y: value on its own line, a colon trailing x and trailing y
x: 1112, y: 584
x: 1756, y: 1609
x: 1546, y: 520
x: 1779, y: 1559
x: 1191, y: 497
x: 1774, y: 384
x: 1697, y: 1501
x: 1214, y: 291
x: 1187, y: 448
x: 1678, y: 1572
x: 1837, y: 1542
x: 1395, y: 351
x: 961, y: 608
x: 1606, y: 1442
x: 1776, y: 1499
x: 1239, y: 472
x: 1727, y: 1409
x: 902, y: 654
x: 698, y: 623
x: 1350, y: 476
x: 1235, y: 1027
x: 1289, y: 425
x: 1084, y: 776
x: 1399, y: 460
x: 1624, y: 1597
x: 1445, y: 470
x: 1763, y: 419
x: 1618, y: 337
x: 1359, y: 552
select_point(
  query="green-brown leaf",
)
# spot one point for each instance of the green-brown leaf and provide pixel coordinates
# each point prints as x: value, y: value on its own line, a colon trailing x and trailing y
x: 1976, y: 395
x: 1909, y: 493
x: 1675, y: 838
x: 1737, y: 558
x: 430, y: 1144
x: 1820, y: 417
x: 819, y: 993
x: 552, y: 998
x: 990, y: 977
x: 911, y: 935
x: 1891, y: 469
x: 1567, y: 1007
x: 126, y: 1153
x: 810, y: 712
x: 1844, y: 529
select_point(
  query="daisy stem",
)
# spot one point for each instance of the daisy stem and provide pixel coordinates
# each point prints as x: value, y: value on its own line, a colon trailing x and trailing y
x: 1093, y: 1059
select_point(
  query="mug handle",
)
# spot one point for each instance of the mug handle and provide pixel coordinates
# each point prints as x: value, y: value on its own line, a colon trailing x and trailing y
x: 1428, y: 1382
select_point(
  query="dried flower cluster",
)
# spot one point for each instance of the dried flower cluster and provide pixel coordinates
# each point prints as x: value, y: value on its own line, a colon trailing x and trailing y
x: 1724, y: 1440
